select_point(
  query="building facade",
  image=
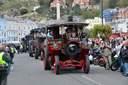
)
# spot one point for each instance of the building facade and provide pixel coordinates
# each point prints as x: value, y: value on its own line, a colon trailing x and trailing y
x: 3, y: 31
x: 123, y: 26
x: 93, y: 22
x: 109, y: 15
x: 122, y: 13
x: 62, y: 3
x: 82, y: 3
x: 117, y: 18
x: 14, y: 29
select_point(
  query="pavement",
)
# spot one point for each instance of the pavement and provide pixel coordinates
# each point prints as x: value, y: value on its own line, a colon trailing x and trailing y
x: 28, y: 71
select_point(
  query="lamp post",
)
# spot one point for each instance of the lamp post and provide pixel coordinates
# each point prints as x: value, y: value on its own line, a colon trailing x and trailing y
x: 102, y: 10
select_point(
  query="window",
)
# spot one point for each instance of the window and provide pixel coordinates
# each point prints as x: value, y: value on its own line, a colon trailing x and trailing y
x: 5, y: 27
x: 28, y: 28
x: 19, y: 27
x: 4, y: 34
x: 14, y: 27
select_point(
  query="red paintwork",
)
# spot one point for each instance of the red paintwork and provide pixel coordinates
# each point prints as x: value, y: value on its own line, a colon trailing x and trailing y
x: 102, y: 59
x: 51, y: 47
x: 81, y: 64
x: 44, y: 59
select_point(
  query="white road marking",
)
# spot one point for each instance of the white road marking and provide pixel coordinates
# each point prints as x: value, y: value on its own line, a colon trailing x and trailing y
x: 91, y: 80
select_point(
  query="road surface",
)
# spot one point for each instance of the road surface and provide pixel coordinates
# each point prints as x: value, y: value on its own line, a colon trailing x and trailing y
x: 28, y: 71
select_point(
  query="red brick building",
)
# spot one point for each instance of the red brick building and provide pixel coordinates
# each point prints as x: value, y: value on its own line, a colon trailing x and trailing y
x: 82, y: 3
x: 63, y: 3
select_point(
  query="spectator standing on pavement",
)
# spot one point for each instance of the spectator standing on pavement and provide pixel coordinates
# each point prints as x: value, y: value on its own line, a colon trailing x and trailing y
x: 21, y: 48
x: 4, y: 65
x: 107, y: 55
x: 12, y: 52
x: 124, y: 56
x: 18, y: 48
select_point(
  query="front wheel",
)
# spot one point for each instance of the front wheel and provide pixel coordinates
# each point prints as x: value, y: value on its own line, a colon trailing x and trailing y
x: 57, y: 65
x: 45, y: 61
x: 95, y: 61
x: 101, y: 63
x: 30, y: 54
x: 86, y: 66
x: 115, y: 65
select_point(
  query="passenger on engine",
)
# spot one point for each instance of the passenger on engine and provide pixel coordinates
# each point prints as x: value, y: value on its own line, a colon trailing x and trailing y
x: 50, y: 35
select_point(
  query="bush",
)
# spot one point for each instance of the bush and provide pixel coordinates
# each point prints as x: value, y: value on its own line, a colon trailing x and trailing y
x: 23, y: 11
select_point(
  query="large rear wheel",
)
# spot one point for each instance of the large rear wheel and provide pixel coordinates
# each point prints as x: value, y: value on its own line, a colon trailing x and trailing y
x: 57, y: 65
x: 86, y: 66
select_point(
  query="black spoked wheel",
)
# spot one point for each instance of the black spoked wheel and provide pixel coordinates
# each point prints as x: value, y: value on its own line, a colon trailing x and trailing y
x: 86, y: 67
x: 30, y: 54
x: 57, y: 65
x: 101, y: 63
x: 95, y: 61
x: 115, y: 65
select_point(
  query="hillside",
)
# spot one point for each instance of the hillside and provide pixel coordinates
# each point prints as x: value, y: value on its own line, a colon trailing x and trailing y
x: 24, y: 8
x: 14, y: 6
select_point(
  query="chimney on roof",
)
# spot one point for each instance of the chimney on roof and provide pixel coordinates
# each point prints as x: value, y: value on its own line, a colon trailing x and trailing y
x: 70, y: 18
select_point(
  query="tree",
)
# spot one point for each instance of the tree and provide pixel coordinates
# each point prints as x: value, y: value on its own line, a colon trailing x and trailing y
x: 94, y: 2
x: 52, y: 13
x: 23, y: 11
x: 106, y: 4
x: 123, y: 3
x: 76, y: 11
x: 113, y: 3
x: 69, y: 2
x: 104, y: 31
x: 90, y: 14
x: 45, y: 2
x: 43, y: 10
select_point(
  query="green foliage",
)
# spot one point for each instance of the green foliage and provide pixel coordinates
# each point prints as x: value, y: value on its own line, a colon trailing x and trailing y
x: 94, y: 2
x: 69, y: 3
x: 113, y: 3
x: 90, y: 14
x: 104, y: 31
x: 123, y: 3
x: 45, y: 2
x: 43, y: 10
x: 52, y: 13
x: 15, y: 5
x: 76, y: 11
x: 23, y: 11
